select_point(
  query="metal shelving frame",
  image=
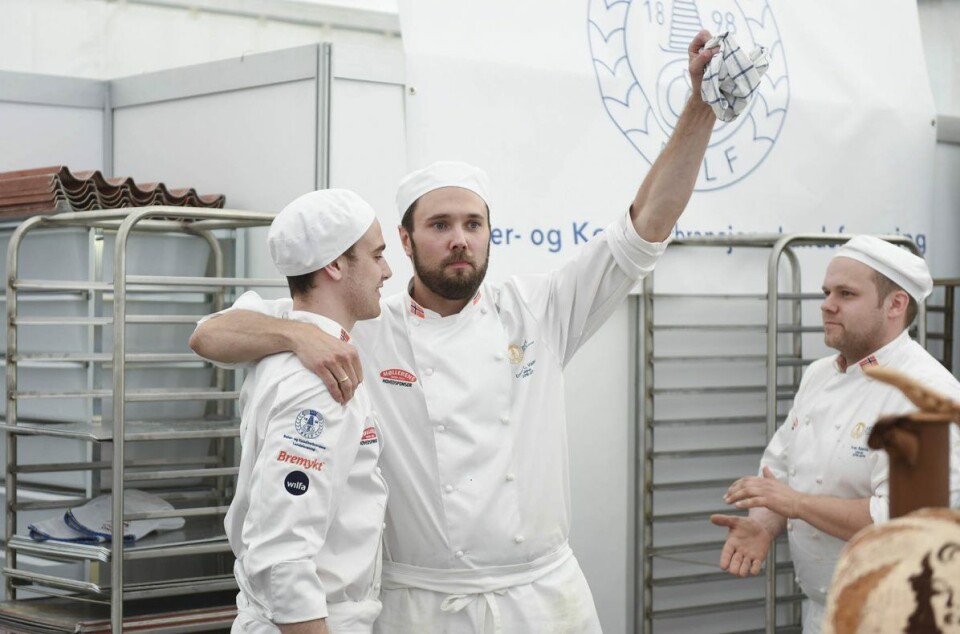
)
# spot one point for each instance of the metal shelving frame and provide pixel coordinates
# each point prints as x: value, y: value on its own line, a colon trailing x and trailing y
x: 945, y: 333
x: 776, y: 391
x: 203, y: 532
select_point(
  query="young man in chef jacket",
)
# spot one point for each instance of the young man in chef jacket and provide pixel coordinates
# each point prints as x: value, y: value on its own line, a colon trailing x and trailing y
x: 818, y: 479
x: 306, y: 522
x: 468, y: 378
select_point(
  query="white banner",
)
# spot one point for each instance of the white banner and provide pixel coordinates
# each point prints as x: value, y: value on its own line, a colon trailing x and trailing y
x: 566, y: 104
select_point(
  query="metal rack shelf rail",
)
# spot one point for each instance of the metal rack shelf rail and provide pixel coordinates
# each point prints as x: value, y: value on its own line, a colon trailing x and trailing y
x: 123, y: 223
x: 783, y: 365
x: 944, y: 334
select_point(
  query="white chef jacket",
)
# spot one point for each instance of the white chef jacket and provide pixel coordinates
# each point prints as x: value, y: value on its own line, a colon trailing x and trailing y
x: 307, y: 519
x: 477, y: 461
x: 821, y: 448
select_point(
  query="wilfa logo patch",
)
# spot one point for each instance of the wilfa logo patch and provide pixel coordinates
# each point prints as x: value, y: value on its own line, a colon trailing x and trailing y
x: 296, y: 483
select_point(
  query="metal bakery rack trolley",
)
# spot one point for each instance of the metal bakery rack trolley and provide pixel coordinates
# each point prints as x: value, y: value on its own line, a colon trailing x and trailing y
x: 717, y: 371
x: 122, y: 405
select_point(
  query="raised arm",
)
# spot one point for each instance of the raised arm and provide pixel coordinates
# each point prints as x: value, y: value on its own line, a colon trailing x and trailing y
x: 667, y: 188
x: 243, y: 336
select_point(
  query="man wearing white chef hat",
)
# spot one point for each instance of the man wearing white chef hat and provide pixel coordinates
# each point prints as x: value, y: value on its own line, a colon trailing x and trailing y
x: 306, y: 521
x: 818, y: 479
x: 468, y: 379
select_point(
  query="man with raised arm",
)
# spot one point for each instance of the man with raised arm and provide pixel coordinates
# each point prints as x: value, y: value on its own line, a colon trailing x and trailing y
x: 306, y: 521
x: 818, y: 479
x: 468, y: 379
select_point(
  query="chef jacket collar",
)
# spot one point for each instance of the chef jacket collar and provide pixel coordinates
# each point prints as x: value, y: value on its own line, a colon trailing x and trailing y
x: 879, y: 358
x: 416, y: 311
x: 325, y: 324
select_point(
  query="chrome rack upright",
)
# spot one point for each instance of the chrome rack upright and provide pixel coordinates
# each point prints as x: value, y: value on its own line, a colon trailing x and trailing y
x: 201, y: 504
x: 689, y: 452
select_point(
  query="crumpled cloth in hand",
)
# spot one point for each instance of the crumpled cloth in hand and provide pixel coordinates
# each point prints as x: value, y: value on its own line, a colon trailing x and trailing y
x: 732, y: 76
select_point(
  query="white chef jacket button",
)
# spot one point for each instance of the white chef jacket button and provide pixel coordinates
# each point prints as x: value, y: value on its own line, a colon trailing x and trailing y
x: 837, y: 425
x: 459, y: 553
x: 511, y: 477
x: 428, y: 371
x: 499, y: 356
x: 441, y: 427
x: 376, y: 587
x: 379, y: 470
x: 819, y: 480
x: 448, y: 488
x: 505, y: 419
x: 518, y: 539
x: 789, y: 526
x: 823, y: 590
x: 384, y: 525
x: 483, y: 311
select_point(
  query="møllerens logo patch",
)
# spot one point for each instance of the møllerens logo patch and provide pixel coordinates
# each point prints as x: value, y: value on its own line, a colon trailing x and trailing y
x: 398, y: 377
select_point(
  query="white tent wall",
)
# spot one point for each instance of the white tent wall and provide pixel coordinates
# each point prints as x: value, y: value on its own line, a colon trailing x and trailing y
x: 939, y: 23
x: 104, y: 39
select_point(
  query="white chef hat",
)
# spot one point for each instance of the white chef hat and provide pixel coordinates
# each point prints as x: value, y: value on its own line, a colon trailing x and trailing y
x: 315, y: 229
x: 442, y: 174
x: 906, y: 270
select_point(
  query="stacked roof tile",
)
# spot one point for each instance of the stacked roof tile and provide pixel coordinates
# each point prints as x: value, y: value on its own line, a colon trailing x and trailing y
x: 48, y: 190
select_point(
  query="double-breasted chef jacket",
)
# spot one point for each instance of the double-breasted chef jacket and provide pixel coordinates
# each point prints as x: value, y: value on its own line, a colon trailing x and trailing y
x: 473, y: 408
x: 307, y: 519
x: 821, y: 448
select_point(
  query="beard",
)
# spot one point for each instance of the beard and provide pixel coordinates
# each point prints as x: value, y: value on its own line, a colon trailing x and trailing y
x: 461, y: 284
x: 856, y: 345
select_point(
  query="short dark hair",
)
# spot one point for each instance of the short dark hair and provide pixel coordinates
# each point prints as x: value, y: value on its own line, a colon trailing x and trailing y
x: 885, y: 286
x: 407, y: 221
x: 303, y: 284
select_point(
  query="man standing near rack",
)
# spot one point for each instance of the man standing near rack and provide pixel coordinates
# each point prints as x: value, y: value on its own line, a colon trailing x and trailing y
x: 470, y: 376
x: 307, y: 518
x: 818, y: 479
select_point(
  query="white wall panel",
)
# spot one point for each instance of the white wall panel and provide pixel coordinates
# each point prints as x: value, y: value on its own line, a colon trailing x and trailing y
x: 256, y: 146
x: 368, y: 155
x: 33, y: 135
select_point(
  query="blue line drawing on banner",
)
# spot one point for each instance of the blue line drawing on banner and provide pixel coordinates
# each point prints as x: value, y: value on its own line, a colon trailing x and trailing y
x: 639, y: 51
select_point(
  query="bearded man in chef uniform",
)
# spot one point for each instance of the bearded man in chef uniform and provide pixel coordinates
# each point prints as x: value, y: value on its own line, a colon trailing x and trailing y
x: 305, y: 524
x: 818, y: 479
x: 468, y: 380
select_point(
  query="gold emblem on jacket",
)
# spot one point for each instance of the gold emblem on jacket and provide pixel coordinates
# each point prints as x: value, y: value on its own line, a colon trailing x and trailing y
x: 515, y: 353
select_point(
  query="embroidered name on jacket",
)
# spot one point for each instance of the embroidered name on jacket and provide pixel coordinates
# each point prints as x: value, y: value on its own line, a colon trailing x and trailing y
x: 398, y: 377
x: 300, y: 461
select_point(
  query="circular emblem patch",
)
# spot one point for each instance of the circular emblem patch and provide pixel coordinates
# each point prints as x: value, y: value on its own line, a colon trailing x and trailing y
x: 639, y: 50
x: 296, y: 483
x: 309, y: 423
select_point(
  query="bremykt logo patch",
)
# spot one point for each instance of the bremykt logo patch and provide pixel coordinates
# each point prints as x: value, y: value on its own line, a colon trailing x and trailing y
x: 639, y: 50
